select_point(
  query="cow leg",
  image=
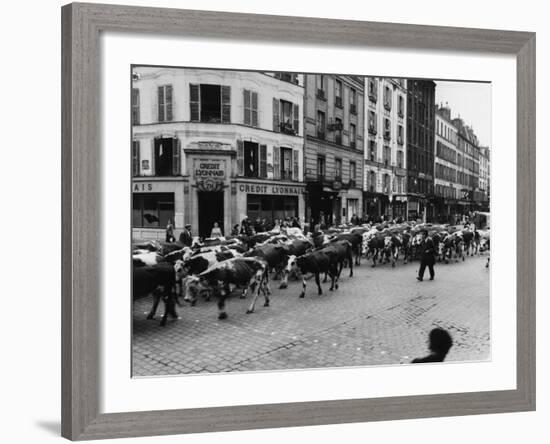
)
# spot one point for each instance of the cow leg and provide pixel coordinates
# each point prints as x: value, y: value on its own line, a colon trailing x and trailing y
x: 317, y: 281
x: 257, y: 284
x: 221, y: 303
x: 303, y: 293
x: 374, y: 255
x: 350, y: 265
x: 326, y: 276
x: 284, y: 279
x: 156, y: 300
x: 334, y: 278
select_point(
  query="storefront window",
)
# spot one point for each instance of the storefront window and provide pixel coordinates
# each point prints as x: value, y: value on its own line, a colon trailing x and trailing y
x: 152, y: 210
x: 271, y: 207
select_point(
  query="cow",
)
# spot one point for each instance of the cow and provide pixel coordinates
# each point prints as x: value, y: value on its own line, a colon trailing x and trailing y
x: 375, y: 247
x: 195, y: 265
x: 276, y: 258
x: 452, y: 243
x: 392, y: 245
x: 316, y: 262
x: 344, y: 255
x: 247, y: 272
x: 356, y: 240
x: 143, y: 258
x: 158, y: 280
x: 468, y: 240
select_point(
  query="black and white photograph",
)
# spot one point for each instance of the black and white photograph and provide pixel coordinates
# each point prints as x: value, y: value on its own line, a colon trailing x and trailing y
x: 290, y: 221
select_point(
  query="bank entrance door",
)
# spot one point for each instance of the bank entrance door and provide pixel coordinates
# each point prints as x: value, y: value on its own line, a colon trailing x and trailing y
x: 210, y: 211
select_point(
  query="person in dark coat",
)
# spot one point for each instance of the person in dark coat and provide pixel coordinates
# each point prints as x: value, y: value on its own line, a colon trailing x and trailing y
x: 427, y: 256
x: 186, y: 238
x: 440, y: 344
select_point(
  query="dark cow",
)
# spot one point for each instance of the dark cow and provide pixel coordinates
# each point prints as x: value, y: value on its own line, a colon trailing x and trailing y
x: 158, y: 280
x: 355, y: 239
x: 468, y: 240
x: 344, y: 255
x: 316, y: 262
x: 276, y: 258
x: 250, y: 273
x: 375, y: 247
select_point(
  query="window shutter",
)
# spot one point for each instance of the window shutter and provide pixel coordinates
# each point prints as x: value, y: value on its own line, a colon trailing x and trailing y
x: 246, y: 99
x: 135, y: 106
x: 226, y: 104
x: 254, y: 109
x: 160, y: 104
x: 169, y: 103
x: 295, y: 165
x: 194, y: 102
x: 240, y: 158
x: 153, y: 165
x: 263, y: 160
x: 276, y: 162
x: 276, y: 115
x: 176, y: 157
x: 296, y: 116
x: 135, y: 158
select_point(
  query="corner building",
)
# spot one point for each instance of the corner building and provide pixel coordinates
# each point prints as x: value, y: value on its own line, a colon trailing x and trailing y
x: 334, y: 145
x: 215, y: 146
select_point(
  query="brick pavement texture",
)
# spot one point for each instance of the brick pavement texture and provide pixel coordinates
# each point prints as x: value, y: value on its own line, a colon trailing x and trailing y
x: 380, y: 316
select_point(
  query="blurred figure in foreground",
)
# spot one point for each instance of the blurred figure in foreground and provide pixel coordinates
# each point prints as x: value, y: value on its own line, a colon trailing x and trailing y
x: 440, y: 344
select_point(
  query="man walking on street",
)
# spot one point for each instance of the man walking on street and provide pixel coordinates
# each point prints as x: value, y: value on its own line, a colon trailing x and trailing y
x: 427, y: 256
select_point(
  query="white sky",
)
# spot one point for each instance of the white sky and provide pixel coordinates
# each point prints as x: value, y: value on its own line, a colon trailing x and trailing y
x: 472, y: 101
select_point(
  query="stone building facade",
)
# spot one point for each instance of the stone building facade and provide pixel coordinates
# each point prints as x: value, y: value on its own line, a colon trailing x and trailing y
x: 385, y: 151
x: 334, y: 144
x: 215, y: 146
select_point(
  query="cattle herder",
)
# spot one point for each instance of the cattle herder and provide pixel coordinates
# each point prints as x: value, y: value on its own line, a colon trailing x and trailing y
x: 427, y: 256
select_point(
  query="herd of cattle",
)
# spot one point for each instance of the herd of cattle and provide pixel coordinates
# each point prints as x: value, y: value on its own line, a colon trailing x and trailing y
x: 216, y: 267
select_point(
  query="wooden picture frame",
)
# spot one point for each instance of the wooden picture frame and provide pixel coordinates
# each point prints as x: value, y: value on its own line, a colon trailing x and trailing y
x: 81, y: 25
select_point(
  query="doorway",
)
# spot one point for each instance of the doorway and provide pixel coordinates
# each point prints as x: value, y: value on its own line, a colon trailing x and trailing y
x: 210, y: 211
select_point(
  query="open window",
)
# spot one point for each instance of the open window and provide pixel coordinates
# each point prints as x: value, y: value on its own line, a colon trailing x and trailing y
x: 166, y: 156
x: 210, y: 103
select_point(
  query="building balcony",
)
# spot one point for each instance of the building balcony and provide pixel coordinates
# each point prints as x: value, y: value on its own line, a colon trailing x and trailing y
x: 387, y: 135
x: 372, y: 130
x: 321, y: 94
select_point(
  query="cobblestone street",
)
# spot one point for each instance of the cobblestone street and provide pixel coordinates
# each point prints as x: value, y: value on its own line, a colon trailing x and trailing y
x: 379, y: 316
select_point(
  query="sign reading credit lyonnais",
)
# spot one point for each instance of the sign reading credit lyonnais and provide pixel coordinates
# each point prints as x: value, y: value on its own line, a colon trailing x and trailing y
x: 270, y: 189
x: 209, y: 168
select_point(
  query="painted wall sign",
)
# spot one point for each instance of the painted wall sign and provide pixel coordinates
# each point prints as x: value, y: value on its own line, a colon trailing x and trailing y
x: 209, y: 169
x: 141, y: 186
x: 270, y: 189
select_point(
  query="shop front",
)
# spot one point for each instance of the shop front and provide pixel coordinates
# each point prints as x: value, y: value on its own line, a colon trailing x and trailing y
x: 324, y: 203
x: 399, y: 206
x: 207, y: 194
x: 154, y: 203
x: 269, y: 200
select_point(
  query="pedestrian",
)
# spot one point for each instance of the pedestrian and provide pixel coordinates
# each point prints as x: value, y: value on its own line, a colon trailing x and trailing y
x: 170, y: 231
x: 440, y: 342
x: 216, y: 231
x: 296, y: 223
x: 186, y: 238
x: 427, y: 256
x: 235, y: 231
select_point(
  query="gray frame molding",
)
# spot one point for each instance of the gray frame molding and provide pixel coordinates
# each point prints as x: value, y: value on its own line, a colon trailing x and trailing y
x: 81, y: 26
